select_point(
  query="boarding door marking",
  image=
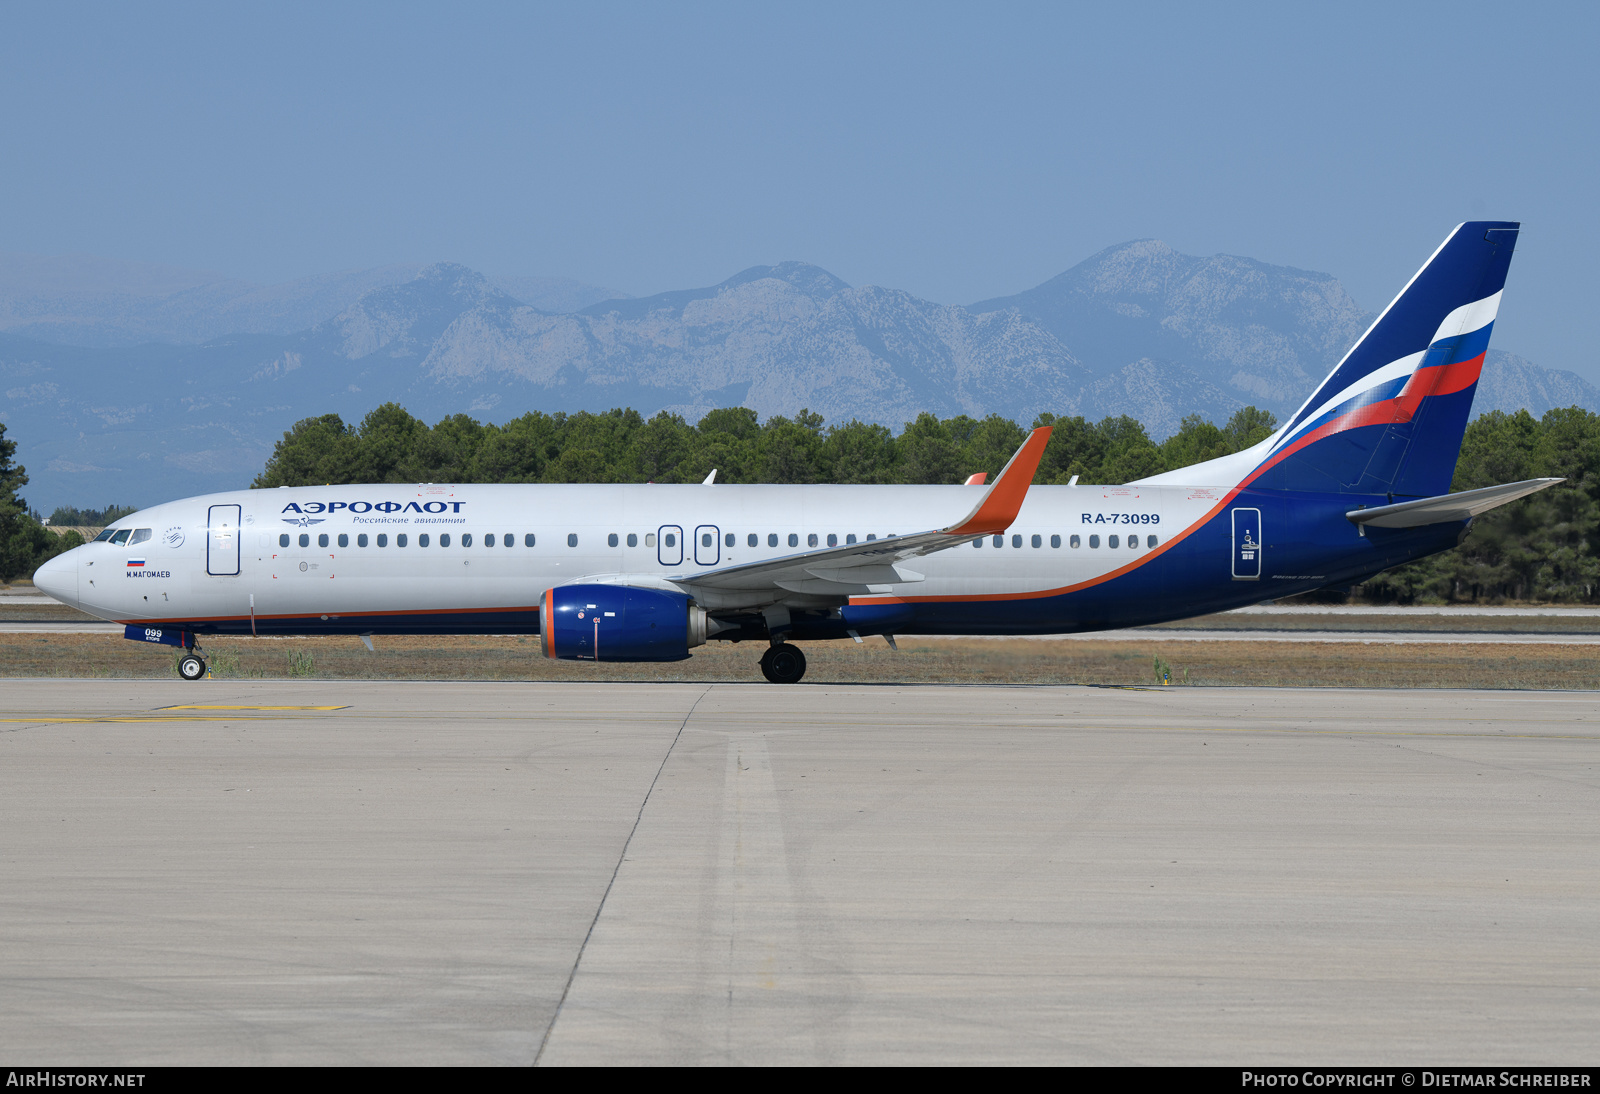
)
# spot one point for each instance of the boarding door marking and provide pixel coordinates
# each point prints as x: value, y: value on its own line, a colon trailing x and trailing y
x: 669, y: 545
x: 707, y: 545
x: 222, y: 540
x: 1247, y: 544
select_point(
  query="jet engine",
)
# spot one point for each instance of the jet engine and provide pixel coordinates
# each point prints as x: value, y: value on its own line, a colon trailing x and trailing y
x: 619, y: 623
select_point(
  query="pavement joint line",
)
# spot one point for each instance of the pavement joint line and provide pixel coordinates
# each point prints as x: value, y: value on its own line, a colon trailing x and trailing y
x: 621, y: 858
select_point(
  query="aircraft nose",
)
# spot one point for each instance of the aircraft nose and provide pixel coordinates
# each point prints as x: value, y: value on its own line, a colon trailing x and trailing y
x: 59, y: 578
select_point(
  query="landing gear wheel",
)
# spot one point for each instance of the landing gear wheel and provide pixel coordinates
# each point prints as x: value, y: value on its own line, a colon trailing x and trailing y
x: 783, y: 664
x: 190, y: 667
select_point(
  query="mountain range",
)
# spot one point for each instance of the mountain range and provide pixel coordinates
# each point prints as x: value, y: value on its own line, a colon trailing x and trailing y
x: 135, y: 383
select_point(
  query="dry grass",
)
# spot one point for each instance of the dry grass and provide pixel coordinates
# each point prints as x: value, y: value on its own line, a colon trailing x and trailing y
x: 1479, y: 665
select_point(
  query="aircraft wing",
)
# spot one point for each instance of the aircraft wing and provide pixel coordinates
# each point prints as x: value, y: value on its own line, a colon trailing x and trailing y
x: 855, y: 567
x: 1447, y: 507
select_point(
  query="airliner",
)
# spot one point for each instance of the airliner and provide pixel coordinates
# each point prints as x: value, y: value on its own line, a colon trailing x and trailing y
x: 1355, y: 482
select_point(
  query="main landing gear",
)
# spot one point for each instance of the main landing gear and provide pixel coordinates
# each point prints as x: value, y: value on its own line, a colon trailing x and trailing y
x: 783, y: 664
x: 191, y: 666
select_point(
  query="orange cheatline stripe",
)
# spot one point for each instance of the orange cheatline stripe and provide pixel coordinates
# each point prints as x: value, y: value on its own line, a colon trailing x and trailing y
x: 316, y: 615
x: 1446, y: 379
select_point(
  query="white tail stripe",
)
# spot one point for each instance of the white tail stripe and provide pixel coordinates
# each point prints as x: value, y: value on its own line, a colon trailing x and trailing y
x: 1317, y: 394
x: 1394, y: 370
x: 1470, y: 317
x: 1464, y: 320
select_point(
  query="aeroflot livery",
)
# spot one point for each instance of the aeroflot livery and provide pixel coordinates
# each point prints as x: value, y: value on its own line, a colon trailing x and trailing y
x: 1354, y: 483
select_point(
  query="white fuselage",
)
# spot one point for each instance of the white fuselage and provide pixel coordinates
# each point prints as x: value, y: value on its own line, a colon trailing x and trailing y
x: 301, y: 553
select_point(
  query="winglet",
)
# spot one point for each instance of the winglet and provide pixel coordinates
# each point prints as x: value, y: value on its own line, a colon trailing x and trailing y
x: 1003, y: 501
x: 976, y: 480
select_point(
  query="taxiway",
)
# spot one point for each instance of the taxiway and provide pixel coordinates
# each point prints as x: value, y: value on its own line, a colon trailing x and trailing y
x: 314, y: 872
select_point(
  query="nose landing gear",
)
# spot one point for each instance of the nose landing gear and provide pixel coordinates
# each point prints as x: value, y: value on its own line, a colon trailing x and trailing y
x: 191, y: 666
x: 783, y: 664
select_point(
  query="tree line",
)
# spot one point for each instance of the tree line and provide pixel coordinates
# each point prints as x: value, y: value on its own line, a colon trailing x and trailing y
x: 390, y: 445
x: 25, y: 543
x: 1546, y: 547
x: 67, y: 516
x: 1543, y: 548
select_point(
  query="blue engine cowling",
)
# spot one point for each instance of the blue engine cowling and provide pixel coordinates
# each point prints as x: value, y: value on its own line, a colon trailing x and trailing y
x: 618, y: 623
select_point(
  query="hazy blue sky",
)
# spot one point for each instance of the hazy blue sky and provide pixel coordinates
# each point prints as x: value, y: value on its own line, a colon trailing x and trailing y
x: 957, y: 151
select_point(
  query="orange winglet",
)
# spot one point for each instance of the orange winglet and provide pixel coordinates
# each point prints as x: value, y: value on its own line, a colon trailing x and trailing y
x: 1003, y: 501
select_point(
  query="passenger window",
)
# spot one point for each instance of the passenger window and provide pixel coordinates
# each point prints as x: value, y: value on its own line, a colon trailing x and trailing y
x: 283, y: 540
x: 444, y: 540
x: 1016, y: 541
x: 383, y: 540
x: 305, y: 540
x: 772, y: 539
x: 344, y: 540
x: 322, y: 540
x: 705, y: 539
x: 572, y: 539
x: 729, y: 540
x: 671, y: 539
x: 528, y: 540
x: 753, y: 540
x: 1111, y: 542
x: 1037, y: 542
x: 1149, y: 541
x: 633, y: 539
x: 833, y: 539
x: 488, y: 540
x: 400, y: 540
x: 508, y: 539
x: 422, y: 540
x: 611, y: 540
x: 140, y: 535
x: 1055, y: 541
x: 1075, y: 542
x: 1133, y: 542
x: 794, y: 540
x: 811, y: 540
x: 361, y: 540
x: 978, y: 542
x: 871, y: 536
x: 649, y: 539
x: 1094, y: 543
x: 851, y: 538
x: 999, y: 541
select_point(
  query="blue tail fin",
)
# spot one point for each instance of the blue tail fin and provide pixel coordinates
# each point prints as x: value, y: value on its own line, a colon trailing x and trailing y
x: 1390, y: 418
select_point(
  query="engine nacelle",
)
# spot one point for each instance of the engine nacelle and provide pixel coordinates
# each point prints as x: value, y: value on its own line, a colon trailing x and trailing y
x: 618, y: 623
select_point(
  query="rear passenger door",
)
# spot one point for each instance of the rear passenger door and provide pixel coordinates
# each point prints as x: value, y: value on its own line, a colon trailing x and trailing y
x: 707, y: 545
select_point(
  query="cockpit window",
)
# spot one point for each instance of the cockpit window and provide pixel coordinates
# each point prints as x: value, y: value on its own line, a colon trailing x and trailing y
x: 121, y: 537
x: 140, y: 535
x: 105, y: 535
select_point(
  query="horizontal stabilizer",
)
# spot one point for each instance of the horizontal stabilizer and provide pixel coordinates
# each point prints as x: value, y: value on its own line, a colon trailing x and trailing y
x: 1447, y: 507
